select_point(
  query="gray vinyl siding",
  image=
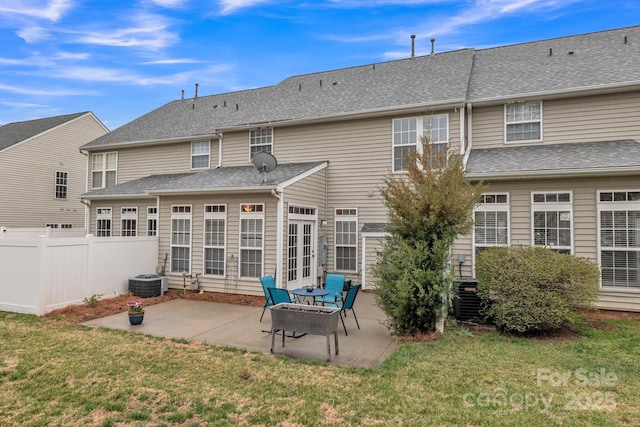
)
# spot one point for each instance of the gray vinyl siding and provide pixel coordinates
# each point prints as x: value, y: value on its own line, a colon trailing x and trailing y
x: 585, y: 223
x: 593, y: 118
x: 28, y: 175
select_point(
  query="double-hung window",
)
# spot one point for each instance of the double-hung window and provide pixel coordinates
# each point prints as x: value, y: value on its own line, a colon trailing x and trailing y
x: 251, y: 239
x: 619, y: 225
x: 491, y: 222
x: 260, y: 140
x: 200, y: 154
x: 128, y: 222
x: 523, y: 121
x: 408, y: 133
x: 61, y: 185
x: 346, y: 239
x: 152, y: 220
x: 180, y: 238
x: 552, y: 223
x: 103, y: 222
x: 215, y: 224
x: 103, y: 169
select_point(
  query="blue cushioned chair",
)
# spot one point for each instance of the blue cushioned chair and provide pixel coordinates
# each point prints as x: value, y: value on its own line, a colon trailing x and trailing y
x: 334, y: 283
x: 267, y: 282
x: 348, y: 305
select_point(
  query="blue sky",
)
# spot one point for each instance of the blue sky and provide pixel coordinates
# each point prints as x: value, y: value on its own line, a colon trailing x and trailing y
x: 122, y: 59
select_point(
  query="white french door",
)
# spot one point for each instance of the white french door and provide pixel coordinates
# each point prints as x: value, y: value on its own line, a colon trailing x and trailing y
x: 301, y: 253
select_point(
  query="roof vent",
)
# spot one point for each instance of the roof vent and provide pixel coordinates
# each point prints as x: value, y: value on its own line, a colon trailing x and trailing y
x: 625, y: 39
x: 196, y: 95
x: 433, y: 44
x: 550, y: 52
x: 413, y: 46
x: 182, y: 94
x: 570, y: 52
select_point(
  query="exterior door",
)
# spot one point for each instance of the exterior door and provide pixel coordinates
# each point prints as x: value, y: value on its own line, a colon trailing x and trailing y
x: 301, y: 253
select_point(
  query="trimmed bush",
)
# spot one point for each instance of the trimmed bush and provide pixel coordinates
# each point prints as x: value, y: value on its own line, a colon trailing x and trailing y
x: 531, y: 289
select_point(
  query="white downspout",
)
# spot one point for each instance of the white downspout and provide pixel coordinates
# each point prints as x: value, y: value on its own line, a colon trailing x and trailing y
x: 469, y: 135
x: 278, y: 193
x: 462, y: 130
x: 219, y: 150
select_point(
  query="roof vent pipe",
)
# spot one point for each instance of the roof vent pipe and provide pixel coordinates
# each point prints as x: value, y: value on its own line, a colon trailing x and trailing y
x: 413, y: 45
x: 433, y: 44
x: 550, y: 52
x: 625, y: 39
x: 197, y: 84
x: 182, y: 94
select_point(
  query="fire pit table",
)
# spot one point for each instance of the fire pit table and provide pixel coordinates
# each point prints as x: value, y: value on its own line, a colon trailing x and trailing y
x: 306, y: 319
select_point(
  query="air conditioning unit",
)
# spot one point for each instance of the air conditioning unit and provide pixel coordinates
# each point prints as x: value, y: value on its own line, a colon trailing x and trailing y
x: 467, y: 303
x: 147, y: 285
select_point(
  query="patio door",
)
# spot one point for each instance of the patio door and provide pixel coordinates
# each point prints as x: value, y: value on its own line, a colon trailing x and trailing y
x: 301, y: 253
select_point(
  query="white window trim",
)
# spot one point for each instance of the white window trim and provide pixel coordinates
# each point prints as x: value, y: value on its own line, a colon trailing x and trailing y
x: 66, y: 185
x: 613, y: 206
x: 344, y: 218
x: 553, y: 207
x: 129, y: 213
x: 251, y: 138
x: 214, y: 215
x: 104, y: 213
x: 251, y: 215
x: 491, y: 207
x: 523, y: 141
x: 181, y: 215
x: 153, y: 216
x: 103, y: 170
x: 420, y: 132
x: 208, y: 154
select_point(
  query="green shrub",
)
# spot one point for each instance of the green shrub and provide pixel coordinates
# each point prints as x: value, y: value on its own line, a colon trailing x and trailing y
x: 528, y: 289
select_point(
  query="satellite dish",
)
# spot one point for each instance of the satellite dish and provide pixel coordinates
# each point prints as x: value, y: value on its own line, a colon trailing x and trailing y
x: 264, y: 163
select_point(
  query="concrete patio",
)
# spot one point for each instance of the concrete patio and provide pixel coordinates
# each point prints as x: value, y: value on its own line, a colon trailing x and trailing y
x: 239, y: 326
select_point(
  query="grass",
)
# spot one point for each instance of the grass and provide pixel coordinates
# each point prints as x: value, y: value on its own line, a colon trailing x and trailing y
x: 55, y: 374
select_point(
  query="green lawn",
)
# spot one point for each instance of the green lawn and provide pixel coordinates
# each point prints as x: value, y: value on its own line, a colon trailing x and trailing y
x: 54, y: 374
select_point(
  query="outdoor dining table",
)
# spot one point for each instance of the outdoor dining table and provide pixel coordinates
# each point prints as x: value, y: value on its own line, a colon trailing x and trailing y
x: 303, y: 293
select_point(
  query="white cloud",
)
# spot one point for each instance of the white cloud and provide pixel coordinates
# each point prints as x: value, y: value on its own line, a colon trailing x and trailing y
x: 46, y: 92
x: 169, y: 3
x: 148, y: 31
x: 33, y: 34
x: 173, y: 61
x: 51, y: 10
x: 230, y: 6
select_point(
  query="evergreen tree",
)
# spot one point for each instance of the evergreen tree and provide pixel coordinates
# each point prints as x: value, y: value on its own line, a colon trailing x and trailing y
x: 427, y: 208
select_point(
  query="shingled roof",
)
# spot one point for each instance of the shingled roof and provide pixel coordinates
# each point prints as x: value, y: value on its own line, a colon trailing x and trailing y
x: 13, y: 133
x: 233, y: 178
x: 422, y: 81
x: 602, y: 157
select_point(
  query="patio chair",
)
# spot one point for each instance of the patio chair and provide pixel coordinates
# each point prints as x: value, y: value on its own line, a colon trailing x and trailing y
x: 352, y: 293
x: 279, y: 295
x: 267, y: 282
x: 335, y: 285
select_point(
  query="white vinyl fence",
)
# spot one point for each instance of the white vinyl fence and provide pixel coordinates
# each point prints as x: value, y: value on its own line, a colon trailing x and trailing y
x: 39, y: 274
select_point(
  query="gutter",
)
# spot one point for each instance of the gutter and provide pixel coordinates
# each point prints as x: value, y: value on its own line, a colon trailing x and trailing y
x: 565, y: 173
x: 278, y: 193
x: 467, y: 153
x: 186, y: 138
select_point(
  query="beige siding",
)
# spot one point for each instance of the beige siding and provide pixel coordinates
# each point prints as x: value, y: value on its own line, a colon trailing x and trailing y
x: 138, y: 162
x: 247, y: 285
x: 373, y: 245
x: 309, y: 192
x: 116, y: 214
x: 28, y: 169
x: 593, y: 118
x: 585, y: 221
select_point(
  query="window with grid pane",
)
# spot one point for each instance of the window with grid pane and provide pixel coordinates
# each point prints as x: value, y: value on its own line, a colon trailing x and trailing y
x: 103, y: 222
x: 180, y: 238
x: 200, y: 154
x: 251, y: 240
x: 346, y: 239
x: 128, y: 221
x: 260, y: 140
x: 61, y: 185
x: 523, y: 121
x: 103, y: 169
x: 491, y: 222
x: 552, y: 221
x: 214, y: 239
x: 152, y: 221
x: 408, y: 133
x: 619, y: 217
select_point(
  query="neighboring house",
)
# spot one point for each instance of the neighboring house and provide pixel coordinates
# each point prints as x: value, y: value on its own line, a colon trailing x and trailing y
x: 551, y: 126
x: 43, y: 171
